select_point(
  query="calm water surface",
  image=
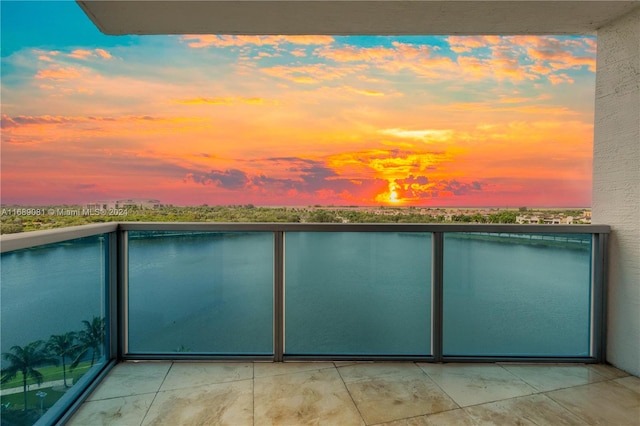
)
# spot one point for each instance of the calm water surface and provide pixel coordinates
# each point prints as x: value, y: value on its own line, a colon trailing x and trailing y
x: 346, y: 293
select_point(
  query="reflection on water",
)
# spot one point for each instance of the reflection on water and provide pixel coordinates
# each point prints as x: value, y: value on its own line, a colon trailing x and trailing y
x: 51, y: 289
x: 525, y: 298
x: 201, y: 292
x: 358, y: 293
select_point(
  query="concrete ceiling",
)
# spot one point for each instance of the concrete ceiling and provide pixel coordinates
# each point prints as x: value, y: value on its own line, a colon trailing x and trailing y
x: 336, y: 17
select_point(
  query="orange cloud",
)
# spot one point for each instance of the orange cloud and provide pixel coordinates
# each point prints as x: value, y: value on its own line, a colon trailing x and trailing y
x: 59, y: 73
x: 200, y: 41
x: 374, y: 54
x: 103, y: 53
x: 429, y: 135
x: 45, y: 55
x: 518, y: 58
x: 500, y: 107
x: 310, y: 74
x: 463, y: 44
x: 385, y: 164
x: 556, y: 53
x: 560, y: 78
x: 80, y: 54
x: 220, y: 101
x: 503, y: 99
x: 86, y: 54
x: 364, y: 92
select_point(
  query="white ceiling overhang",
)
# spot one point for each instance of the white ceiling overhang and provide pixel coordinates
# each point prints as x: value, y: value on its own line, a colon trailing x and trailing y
x: 337, y: 17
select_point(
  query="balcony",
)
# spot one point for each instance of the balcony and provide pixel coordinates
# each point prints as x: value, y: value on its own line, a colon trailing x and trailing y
x: 413, y: 294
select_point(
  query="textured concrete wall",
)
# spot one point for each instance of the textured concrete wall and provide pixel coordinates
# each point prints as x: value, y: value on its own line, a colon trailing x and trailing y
x: 616, y: 181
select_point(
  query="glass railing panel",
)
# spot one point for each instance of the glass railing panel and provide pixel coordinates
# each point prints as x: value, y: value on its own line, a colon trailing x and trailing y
x: 53, y: 312
x: 200, y: 292
x: 517, y: 294
x: 357, y: 293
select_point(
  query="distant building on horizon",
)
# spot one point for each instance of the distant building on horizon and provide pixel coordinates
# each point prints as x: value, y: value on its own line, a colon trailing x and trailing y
x: 140, y: 203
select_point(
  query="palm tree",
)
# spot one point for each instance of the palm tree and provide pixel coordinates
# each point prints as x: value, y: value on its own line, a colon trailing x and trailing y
x: 91, y: 339
x: 25, y: 360
x: 63, y: 345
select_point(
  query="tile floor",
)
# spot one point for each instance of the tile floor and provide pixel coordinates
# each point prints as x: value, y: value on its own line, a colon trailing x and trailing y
x: 346, y: 393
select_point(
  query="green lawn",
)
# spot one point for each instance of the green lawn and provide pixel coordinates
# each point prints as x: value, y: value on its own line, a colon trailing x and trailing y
x: 16, y: 400
x: 14, y: 413
x: 51, y: 373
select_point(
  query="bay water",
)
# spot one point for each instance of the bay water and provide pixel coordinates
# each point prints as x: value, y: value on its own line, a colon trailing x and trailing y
x: 346, y: 293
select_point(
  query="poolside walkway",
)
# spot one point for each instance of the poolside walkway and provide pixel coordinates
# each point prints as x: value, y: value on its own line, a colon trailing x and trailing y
x: 346, y: 393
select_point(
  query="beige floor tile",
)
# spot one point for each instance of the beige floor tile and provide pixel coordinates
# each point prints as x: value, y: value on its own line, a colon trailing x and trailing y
x: 400, y: 394
x: 386, y: 392
x: 125, y: 411
x: 457, y: 417
x: 606, y: 403
x: 228, y: 403
x: 472, y: 384
x: 608, y: 371
x: 357, y: 372
x: 190, y: 374
x: 630, y: 382
x: 306, y: 398
x: 267, y: 369
x: 525, y: 410
x: 551, y: 377
x: 132, y: 378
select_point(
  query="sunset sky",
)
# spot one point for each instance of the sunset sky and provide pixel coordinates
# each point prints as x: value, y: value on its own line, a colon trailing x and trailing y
x: 281, y: 120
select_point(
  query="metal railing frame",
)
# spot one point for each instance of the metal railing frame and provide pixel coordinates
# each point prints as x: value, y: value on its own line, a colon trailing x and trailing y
x: 117, y: 297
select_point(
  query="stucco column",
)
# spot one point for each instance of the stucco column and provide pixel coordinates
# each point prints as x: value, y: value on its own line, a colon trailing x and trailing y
x: 616, y: 181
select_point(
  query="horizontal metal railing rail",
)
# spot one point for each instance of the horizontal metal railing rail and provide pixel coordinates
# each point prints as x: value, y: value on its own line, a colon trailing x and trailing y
x: 363, y: 227
x: 25, y: 240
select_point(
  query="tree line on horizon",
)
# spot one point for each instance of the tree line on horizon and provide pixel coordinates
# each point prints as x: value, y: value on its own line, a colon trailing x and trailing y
x: 12, y: 223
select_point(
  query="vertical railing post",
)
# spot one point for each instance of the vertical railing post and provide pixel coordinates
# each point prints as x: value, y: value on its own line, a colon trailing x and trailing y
x: 278, y: 296
x: 437, y: 273
x: 599, y: 296
x: 123, y: 299
x: 112, y: 302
